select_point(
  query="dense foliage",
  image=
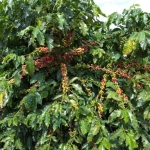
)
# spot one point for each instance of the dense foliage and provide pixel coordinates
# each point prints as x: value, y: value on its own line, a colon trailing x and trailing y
x: 71, y: 82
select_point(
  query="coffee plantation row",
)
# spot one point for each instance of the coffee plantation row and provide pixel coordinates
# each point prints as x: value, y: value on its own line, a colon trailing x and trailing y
x: 69, y: 81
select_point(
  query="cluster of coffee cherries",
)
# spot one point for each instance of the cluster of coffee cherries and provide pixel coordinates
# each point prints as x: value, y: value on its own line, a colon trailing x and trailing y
x: 122, y: 73
x: 147, y: 68
x: 75, y: 52
x: 139, y: 86
x: 12, y: 81
x: 65, y: 86
x: 24, y: 71
x: 119, y: 91
x: 52, y: 60
x: 91, y: 43
x: 101, y: 95
x: 89, y: 92
x: 102, y: 87
x: 133, y: 64
x: 44, y: 61
x: 43, y: 49
x: 100, y: 109
x: 67, y: 40
x: 119, y: 71
x: 128, y: 65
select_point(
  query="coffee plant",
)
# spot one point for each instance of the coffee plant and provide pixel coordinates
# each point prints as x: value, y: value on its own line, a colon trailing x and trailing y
x: 69, y: 81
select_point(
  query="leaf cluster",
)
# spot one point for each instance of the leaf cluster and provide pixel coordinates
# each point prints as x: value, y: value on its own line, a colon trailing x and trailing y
x: 70, y: 81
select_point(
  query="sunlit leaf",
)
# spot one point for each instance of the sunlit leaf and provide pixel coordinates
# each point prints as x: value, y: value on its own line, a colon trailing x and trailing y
x: 84, y: 28
x: 30, y: 66
x: 84, y: 126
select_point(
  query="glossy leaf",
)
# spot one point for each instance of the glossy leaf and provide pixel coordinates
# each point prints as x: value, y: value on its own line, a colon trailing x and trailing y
x: 106, y: 143
x: 30, y: 67
x: 84, y: 126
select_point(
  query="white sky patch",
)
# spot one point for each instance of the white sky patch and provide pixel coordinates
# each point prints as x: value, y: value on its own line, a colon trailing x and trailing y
x: 110, y: 6
x: 144, y: 4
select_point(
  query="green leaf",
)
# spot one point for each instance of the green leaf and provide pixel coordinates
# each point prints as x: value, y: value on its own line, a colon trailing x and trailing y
x: 30, y: 66
x: 144, y: 96
x: 29, y: 142
x: 17, y: 78
x: 146, y: 142
x: 111, y: 84
x: 57, y: 96
x: 15, y: 121
x: 74, y: 104
x: 84, y: 126
x: 116, y: 56
x: 147, y: 33
x: 43, y: 139
x: 142, y: 40
x: 116, y: 134
x: 18, y: 144
x: 73, y: 79
x: 114, y: 95
x: 44, y: 147
x: 38, y: 98
x: 19, y: 60
x: 145, y: 18
x: 46, y: 109
x: 56, y: 124
x: 47, y: 119
x: 78, y: 88
x: 101, y: 147
x: 38, y: 76
x: 62, y: 146
x: 133, y: 119
x: 97, y: 11
x: 95, y: 128
x: 10, y: 3
x: 84, y: 28
x: 74, y: 147
x: 61, y: 21
x: 40, y: 38
x: 35, y: 32
x: 125, y: 116
x: 9, y: 58
x: 111, y: 19
x: 131, y: 44
x: 30, y: 120
x: 10, y: 121
x: 134, y: 5
x: 115, y: 114
x: 138, y: 77
x: 147, y: 113
x: 49, y: 42
x: 106, y: 143
x: 30, y: 101
x: 98, y: 52
x: 7, y: 97
x: 130, y: 141
x: 84, y: 110
x: 95, y: 60
x: 44, y: 94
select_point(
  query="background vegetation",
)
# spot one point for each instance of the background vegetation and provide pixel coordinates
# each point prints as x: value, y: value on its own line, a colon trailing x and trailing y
x: 70, y: 82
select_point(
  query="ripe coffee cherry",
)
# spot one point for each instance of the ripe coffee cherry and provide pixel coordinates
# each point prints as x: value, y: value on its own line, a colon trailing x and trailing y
x: 138, y: 86
x: 63, y: 70
x: 43, y: 49
x: 12, y: 81
x: 24, y: 72
x: 65, y: 86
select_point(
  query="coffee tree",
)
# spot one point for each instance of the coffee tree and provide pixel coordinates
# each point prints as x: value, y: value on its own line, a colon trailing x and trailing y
x: 71, y: 82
